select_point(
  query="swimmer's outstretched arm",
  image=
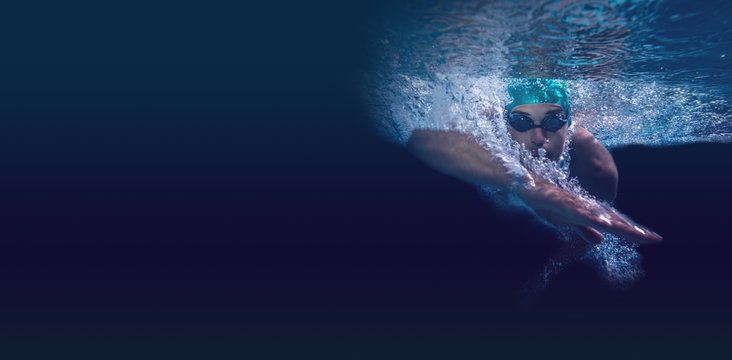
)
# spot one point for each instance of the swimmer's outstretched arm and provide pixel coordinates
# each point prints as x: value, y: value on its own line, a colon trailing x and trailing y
x: 458, y: 155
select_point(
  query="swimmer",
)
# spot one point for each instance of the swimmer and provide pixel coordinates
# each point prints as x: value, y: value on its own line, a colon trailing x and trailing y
x: 539, y: 115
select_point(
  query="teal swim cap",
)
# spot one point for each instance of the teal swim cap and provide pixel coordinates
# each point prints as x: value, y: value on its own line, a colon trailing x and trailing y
x: 538, y: 90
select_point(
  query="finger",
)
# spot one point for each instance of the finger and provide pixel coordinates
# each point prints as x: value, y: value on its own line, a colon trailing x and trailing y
x: 605, y: 218
x: 581, y: 232
x: 589, y: 234
x: 611, y: 220
x: 635, y: 231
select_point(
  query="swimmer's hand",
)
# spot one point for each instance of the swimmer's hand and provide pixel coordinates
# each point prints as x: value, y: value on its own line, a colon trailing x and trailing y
x: 586, y: 217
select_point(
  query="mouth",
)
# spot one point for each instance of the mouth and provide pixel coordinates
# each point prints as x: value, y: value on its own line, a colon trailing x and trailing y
x: 541, y: 152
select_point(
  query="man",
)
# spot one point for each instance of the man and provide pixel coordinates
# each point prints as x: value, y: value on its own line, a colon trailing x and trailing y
x: 538, y: 115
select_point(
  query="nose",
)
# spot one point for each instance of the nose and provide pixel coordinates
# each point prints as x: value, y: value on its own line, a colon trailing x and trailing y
x: 538, y: 138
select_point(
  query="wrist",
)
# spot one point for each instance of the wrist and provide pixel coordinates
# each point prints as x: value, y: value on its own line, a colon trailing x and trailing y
x: 534, y: 190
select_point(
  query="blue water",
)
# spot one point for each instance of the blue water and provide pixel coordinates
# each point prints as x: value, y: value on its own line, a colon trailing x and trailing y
x: 652, y: 73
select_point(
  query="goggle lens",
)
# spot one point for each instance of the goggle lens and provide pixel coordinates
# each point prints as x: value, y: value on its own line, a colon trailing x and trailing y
x: 551, y: 122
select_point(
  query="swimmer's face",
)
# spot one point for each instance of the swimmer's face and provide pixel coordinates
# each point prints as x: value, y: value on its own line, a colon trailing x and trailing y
x: 537, y: 138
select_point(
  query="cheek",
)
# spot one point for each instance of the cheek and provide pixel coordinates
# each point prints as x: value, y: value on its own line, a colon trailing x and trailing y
x: 520, y: 137
x: 556, y: 141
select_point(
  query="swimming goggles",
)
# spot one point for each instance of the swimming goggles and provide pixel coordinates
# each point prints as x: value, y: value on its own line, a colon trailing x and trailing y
x: 551, y: 122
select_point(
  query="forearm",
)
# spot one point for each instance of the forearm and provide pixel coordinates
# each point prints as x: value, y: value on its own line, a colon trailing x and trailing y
x: 458, y: 155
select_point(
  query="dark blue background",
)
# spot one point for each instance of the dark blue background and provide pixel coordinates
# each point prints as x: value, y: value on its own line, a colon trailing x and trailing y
x: 202, y: 180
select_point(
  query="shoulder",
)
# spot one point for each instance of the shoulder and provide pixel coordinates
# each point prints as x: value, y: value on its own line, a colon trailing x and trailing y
x: 593, y: 165
x: 585, y: 146
x: 582, y: 137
